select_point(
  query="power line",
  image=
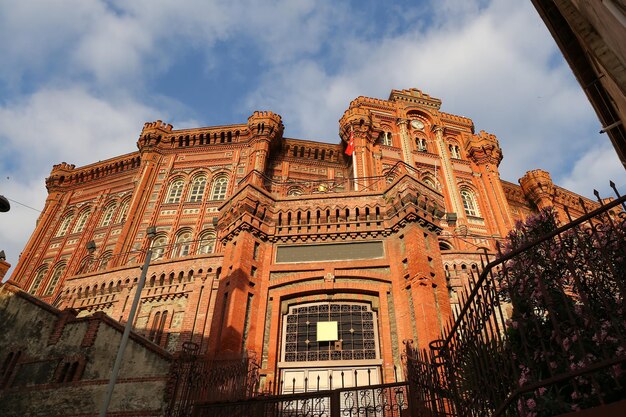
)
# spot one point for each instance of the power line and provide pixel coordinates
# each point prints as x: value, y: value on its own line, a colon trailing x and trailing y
x: 22, y: 204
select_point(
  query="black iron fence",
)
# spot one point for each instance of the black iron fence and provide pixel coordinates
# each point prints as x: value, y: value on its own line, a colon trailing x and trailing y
x: 386, y: 400
x: 542, y: 329
x: 195, y: 378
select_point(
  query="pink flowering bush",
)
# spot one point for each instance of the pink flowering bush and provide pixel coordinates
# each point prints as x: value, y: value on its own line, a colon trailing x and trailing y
x: 567, y: 314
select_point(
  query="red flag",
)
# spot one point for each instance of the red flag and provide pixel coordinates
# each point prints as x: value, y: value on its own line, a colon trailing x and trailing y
x: 350, y: 147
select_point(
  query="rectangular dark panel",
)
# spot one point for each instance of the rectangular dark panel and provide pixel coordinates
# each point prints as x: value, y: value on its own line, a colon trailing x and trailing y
x: 330, y: 252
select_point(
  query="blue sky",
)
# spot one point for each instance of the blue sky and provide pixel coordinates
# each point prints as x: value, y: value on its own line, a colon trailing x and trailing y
x: 80, y: 77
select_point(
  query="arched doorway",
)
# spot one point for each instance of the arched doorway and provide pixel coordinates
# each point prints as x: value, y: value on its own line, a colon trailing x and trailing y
x: 327, y: 345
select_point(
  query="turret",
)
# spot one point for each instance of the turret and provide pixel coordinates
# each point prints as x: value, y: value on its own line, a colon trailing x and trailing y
x: 267, y: 131
x: 538, y: 187
x: 484, y: 148
x: 58, y: 175
x: 152, y: 134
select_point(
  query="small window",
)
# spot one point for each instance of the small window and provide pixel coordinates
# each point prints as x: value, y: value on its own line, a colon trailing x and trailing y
x: 207, y: 243
x: 121, y: 217
x: 220, y: 186
x: 108, y: 215
x: 158, y: 247
x: 82, y: 221
x: 38, y: 279
x: 386, y: 139
x: 294, y: 191
x: 175, y: 192
x: 454, y: 151
x: 469, y: 202
x: 421, y: 144
x: 197, y: 189
x: 56, y: 275
x: 183, y: 242
x: 65, y: 225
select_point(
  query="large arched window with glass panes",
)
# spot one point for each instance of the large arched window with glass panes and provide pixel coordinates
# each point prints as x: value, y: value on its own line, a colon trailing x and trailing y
x: 81, y: 222
x: 183, y: 243
x: 39, y: 276
x: 54, y: 280
x: 107, y: 218
x: 196, y: 192
x: 65, y: 225
x: 469, y: 202
x: 175, y: 192
x: 121, y: 216
x: 158, y: 247
x: 220, y: 186
x: 206, y: 243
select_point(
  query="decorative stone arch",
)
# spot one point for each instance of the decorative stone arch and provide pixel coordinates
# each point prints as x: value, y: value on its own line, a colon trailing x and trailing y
x: 123, y: 210
x: 182, y: 242
x: 40, y: 276
x: 65, y: 224
x: 469, y: 199
x: 454, y: 148
x: 81, y: 219
x: 445, y: 245
x: 108, y: 212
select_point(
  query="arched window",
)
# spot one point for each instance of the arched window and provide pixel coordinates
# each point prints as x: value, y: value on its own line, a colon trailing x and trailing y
x: 197, y: 189
x: 421, y: 144
x: 469, y: 202
x: 158, y: 247
x: 108, y: 215
x: 56, y: 275
x: 65, y: 225
x: 207, y: 243
x: 176, y: 190
x: 454, y: 151
x: 104, y: 260
x: 37, y: 281
x: 183, y: 243
x: 81, y: 222
x: 121, y: 217
x: 219, y: 188
x: 386, y: 139
x: 428, y: 181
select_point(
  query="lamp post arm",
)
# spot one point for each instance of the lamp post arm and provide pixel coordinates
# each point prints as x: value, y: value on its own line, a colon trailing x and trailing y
x: 127, y: 328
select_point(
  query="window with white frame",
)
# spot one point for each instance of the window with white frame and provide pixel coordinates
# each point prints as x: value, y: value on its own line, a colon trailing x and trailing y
x: 108, y: 215
x: 38, y: 279
x: 121, y: 217
x: 158, y: 247
x: 197, y: 189
x: 421, y: 144
x: 183, y: 243
x: 207, y: 243
x: 455, y: 152
x: 469, y: 202
x: 220, y: 185
x: 386, y: 139
x: 65, y: 225
x: 428, y: 181
x: 56, y: 275
x: 175, y: 192
x: 81, y: 222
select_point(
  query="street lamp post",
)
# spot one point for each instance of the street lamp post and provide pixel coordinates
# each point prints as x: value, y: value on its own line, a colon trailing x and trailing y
x: 150, y: 233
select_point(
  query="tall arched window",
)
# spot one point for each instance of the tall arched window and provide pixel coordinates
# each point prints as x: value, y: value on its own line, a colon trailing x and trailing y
x: 108, y: 215
x: 158, y: 247
x: 183, y: 242
x: 65, y: 225
x: 469, y: 202
x: 56, y: 275
x: 175, y: 191
x: 197, y: 189
x: 454, y: 151
x: 207, y: 243
x: 421, y: 144
x: 37, y: 281
x: 220, y: 184
x: 386, y: 139
x: 104, y: 260
x: 121, y: 217
x: 428, y: 181
x: 81, y: 222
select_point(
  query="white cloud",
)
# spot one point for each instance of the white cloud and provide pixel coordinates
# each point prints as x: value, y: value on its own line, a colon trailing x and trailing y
x: 53, y: 126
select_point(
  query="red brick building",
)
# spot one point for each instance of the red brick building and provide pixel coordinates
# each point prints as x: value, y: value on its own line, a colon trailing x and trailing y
x: 317, y: 261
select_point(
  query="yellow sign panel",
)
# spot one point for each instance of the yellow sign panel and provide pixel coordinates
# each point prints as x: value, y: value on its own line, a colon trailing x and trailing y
x: 327, y: 331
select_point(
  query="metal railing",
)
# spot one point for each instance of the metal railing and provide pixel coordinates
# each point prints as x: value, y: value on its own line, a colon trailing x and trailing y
x: 542, y: 330
x: 385, y: 400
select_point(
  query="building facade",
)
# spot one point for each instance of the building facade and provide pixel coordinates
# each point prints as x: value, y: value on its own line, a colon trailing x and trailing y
x: 317, y: 263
